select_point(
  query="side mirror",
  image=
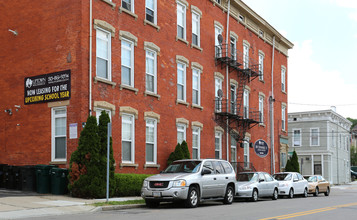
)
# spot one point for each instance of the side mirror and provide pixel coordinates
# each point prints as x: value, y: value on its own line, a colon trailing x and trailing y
x: 205, y: 172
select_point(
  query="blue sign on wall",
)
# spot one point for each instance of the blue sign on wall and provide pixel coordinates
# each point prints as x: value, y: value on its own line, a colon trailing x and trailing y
x: 261, y: 148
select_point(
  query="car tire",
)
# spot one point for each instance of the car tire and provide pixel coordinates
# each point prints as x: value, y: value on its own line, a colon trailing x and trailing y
x: 291, y: 193
x: 229, y: 196
x: 255, y: 195
x: 152, y: 204
x: 327, y: 193
x: 192, y: 198
x: 275, y: 194
x: 316, y: 191
x: 305, y: 193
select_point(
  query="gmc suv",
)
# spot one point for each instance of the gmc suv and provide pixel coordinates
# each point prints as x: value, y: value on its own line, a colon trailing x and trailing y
x: 192, y: 181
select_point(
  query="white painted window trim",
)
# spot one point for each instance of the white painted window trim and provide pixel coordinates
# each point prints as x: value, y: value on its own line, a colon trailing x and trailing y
x: 218, y: 134
x: 235, y: 150
x: 155, y: 139
x: 131, y: 48
x: 293, y: 144
x: 261, y: 66
x: 235, y: 40
x: 246, y: 151
x: 194, y: 14
x: 184, y: 79
x: 245, y: 55
x: 179, y: 126
x: 155, y: 12
x: 109, y: 67
x: 261, y: 107
x: 98, y: 112
x: 283, y: 117
x: 53, y: 133
x: 184, y: 20
x: 218, y: 84
x: 132, y: 122
x: 132, y: 9
x: 197, y: 131
x: 246, y: 102
x: 318, y: 137
x: 283, y: 79
x: 155, y: 68
x: 196, y: 72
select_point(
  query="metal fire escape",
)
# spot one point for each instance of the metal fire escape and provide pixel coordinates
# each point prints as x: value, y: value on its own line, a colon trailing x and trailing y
x: 232, y: 114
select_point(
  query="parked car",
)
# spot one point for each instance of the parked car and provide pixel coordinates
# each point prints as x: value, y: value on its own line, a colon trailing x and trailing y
x: 291, y: 184
x: 317, y: 184
x: 253, y: 185
x: 192, y: 181
x: 353, y: 175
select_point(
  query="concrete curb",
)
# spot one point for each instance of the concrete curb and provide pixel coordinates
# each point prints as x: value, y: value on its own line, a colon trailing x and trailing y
x: 120, y: 207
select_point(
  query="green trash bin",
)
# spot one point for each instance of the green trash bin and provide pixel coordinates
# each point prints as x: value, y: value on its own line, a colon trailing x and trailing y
x: 59, y: 181
x: 43, y: 178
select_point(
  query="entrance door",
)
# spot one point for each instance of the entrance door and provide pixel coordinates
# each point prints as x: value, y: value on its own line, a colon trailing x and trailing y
x: 317, y: 169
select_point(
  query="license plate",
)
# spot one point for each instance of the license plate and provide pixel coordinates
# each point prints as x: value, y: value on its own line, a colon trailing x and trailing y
x: 156, y: 194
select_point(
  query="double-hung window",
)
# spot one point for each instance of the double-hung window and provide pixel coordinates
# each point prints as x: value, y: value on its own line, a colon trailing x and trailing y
x: 195, y: 29
x: 245, y: 56
x: 128, y: 5
x: 233, y: 48
x: 218, y: 145
x: 103, y: 54
x: 283, y: 117
x: 296, y: 137
x: 261, y: 66
x: 314, y: 137
x: 181, y: 21
x: 181, y: 81
x: 181, y: 133
x: 233, y: 150
x: 151, y: 144
x: 233, y: 99
x: 246, y: 153
x: 128, y: 138
x: 99, y: 111
x: 261, y: 109
x: 151, y: 71
x: 150, y: 11
x: 196, y: 139
x: 283, y: 79
x: 246, y: 104
x: 59, y: 134
x: 127, y: 62
x: 196, y: 87
x: 218, y: 89
x: 218, y: 50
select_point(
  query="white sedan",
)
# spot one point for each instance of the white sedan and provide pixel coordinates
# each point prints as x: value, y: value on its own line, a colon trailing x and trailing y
x: 291, y: 184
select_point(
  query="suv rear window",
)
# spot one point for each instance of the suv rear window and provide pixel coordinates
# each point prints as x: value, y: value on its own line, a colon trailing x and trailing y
x: 227, y: 167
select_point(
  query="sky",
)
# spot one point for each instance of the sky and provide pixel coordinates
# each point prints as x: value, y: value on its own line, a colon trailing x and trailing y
x: 322, y: 64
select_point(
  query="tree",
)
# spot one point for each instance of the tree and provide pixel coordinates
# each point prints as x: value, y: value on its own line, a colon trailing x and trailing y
x: 186, y: 152
x: 292, y: 164
x: 354, y: 122
x: 353, y: 156
x: 181, y: 152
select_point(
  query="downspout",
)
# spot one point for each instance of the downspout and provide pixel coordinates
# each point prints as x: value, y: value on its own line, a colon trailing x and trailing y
x: 272, y: 112
x: 227, y: 81
x: 90, y: 57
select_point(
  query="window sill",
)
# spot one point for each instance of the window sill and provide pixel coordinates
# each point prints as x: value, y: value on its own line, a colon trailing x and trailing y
x: 152, y: 24
x: 262, y: 125
x: 98, y: 79
x: 135, y: 165
x: 109, y: 3
x: 182, y: 40
x: 284, y: 92
x: 182, y: 102
x: 261, y: 80
x: 157, y: 166
x: 197, y: 106
x: 58, y: 162
x: 146, y: 93
x: 121, y: 87
x: 121, y: 9
x: 196, y: 47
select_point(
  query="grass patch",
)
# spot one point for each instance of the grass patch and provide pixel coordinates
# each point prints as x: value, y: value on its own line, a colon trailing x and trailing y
x: 128, y: 202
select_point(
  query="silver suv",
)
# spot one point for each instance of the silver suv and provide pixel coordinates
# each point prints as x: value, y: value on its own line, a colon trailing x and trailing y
x: 192, y: 181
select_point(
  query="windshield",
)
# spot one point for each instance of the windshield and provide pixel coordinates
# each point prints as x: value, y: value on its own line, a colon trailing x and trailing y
x: 282, y: 176
x: 311, y: 179
x: 183, y: 167
x: 245, y: 177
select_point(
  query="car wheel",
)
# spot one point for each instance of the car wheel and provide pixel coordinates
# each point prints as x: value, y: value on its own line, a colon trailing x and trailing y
x: 192, y: 198
x: 275, y: 194
x: 316, y: 191
x: 305, y: 193
x: 152, y: 204
x: 228, y: 198
x: 255, y: 195
x: 327, y: 193
x: 291, y: 193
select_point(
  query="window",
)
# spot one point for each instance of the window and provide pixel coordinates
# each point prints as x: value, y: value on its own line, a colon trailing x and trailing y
x: 233, y: 150
x: 233, y: 99
x: 127, y: 139
x: 283, y: 160
x: 283, y: 113
x: 218, y: 86
x: 261, y: 33
x: 218, y: 50
x: 261, y: 66
x: 59, y: 134
x: 218, y: 1
x: 181, y: 21
x: 128, y: 5
x: 314, y: 137
x: 181, y: 133
x: 261, y: 109
x: 296, y: 137
x: 218, y: 145
x: 127, y: 62
x: 241, y: 18
x: 283, y: 78
x: 195, y: 29
x: 150, y: 11
x: 233, y: 48
x: 196, y: 142
x: 246, y: 104
x: 103, y: 54
x: 196, y: 84
x: 246, y: 153
x: 151, y: 71
x: 151, y: 144
x: 245, y: 56
x: 98, y: 112
x: 181, y: 81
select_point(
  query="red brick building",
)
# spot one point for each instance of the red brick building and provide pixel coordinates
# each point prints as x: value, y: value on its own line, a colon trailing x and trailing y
x: 157, y: 67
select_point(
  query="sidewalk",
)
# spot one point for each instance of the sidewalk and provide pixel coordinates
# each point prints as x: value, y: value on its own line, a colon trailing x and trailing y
x: 19, y: 204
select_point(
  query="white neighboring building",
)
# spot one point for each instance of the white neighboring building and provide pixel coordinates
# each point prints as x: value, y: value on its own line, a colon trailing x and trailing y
x: 322, y: 141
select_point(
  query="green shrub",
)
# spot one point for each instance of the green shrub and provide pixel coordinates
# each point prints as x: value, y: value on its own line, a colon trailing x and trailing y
x: 181, y: 152
x: 186, y: 152
x: 128, y: 184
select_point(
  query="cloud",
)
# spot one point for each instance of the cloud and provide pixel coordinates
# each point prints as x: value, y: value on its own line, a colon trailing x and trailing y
x: 350, y: 4
x: 315, y: 87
